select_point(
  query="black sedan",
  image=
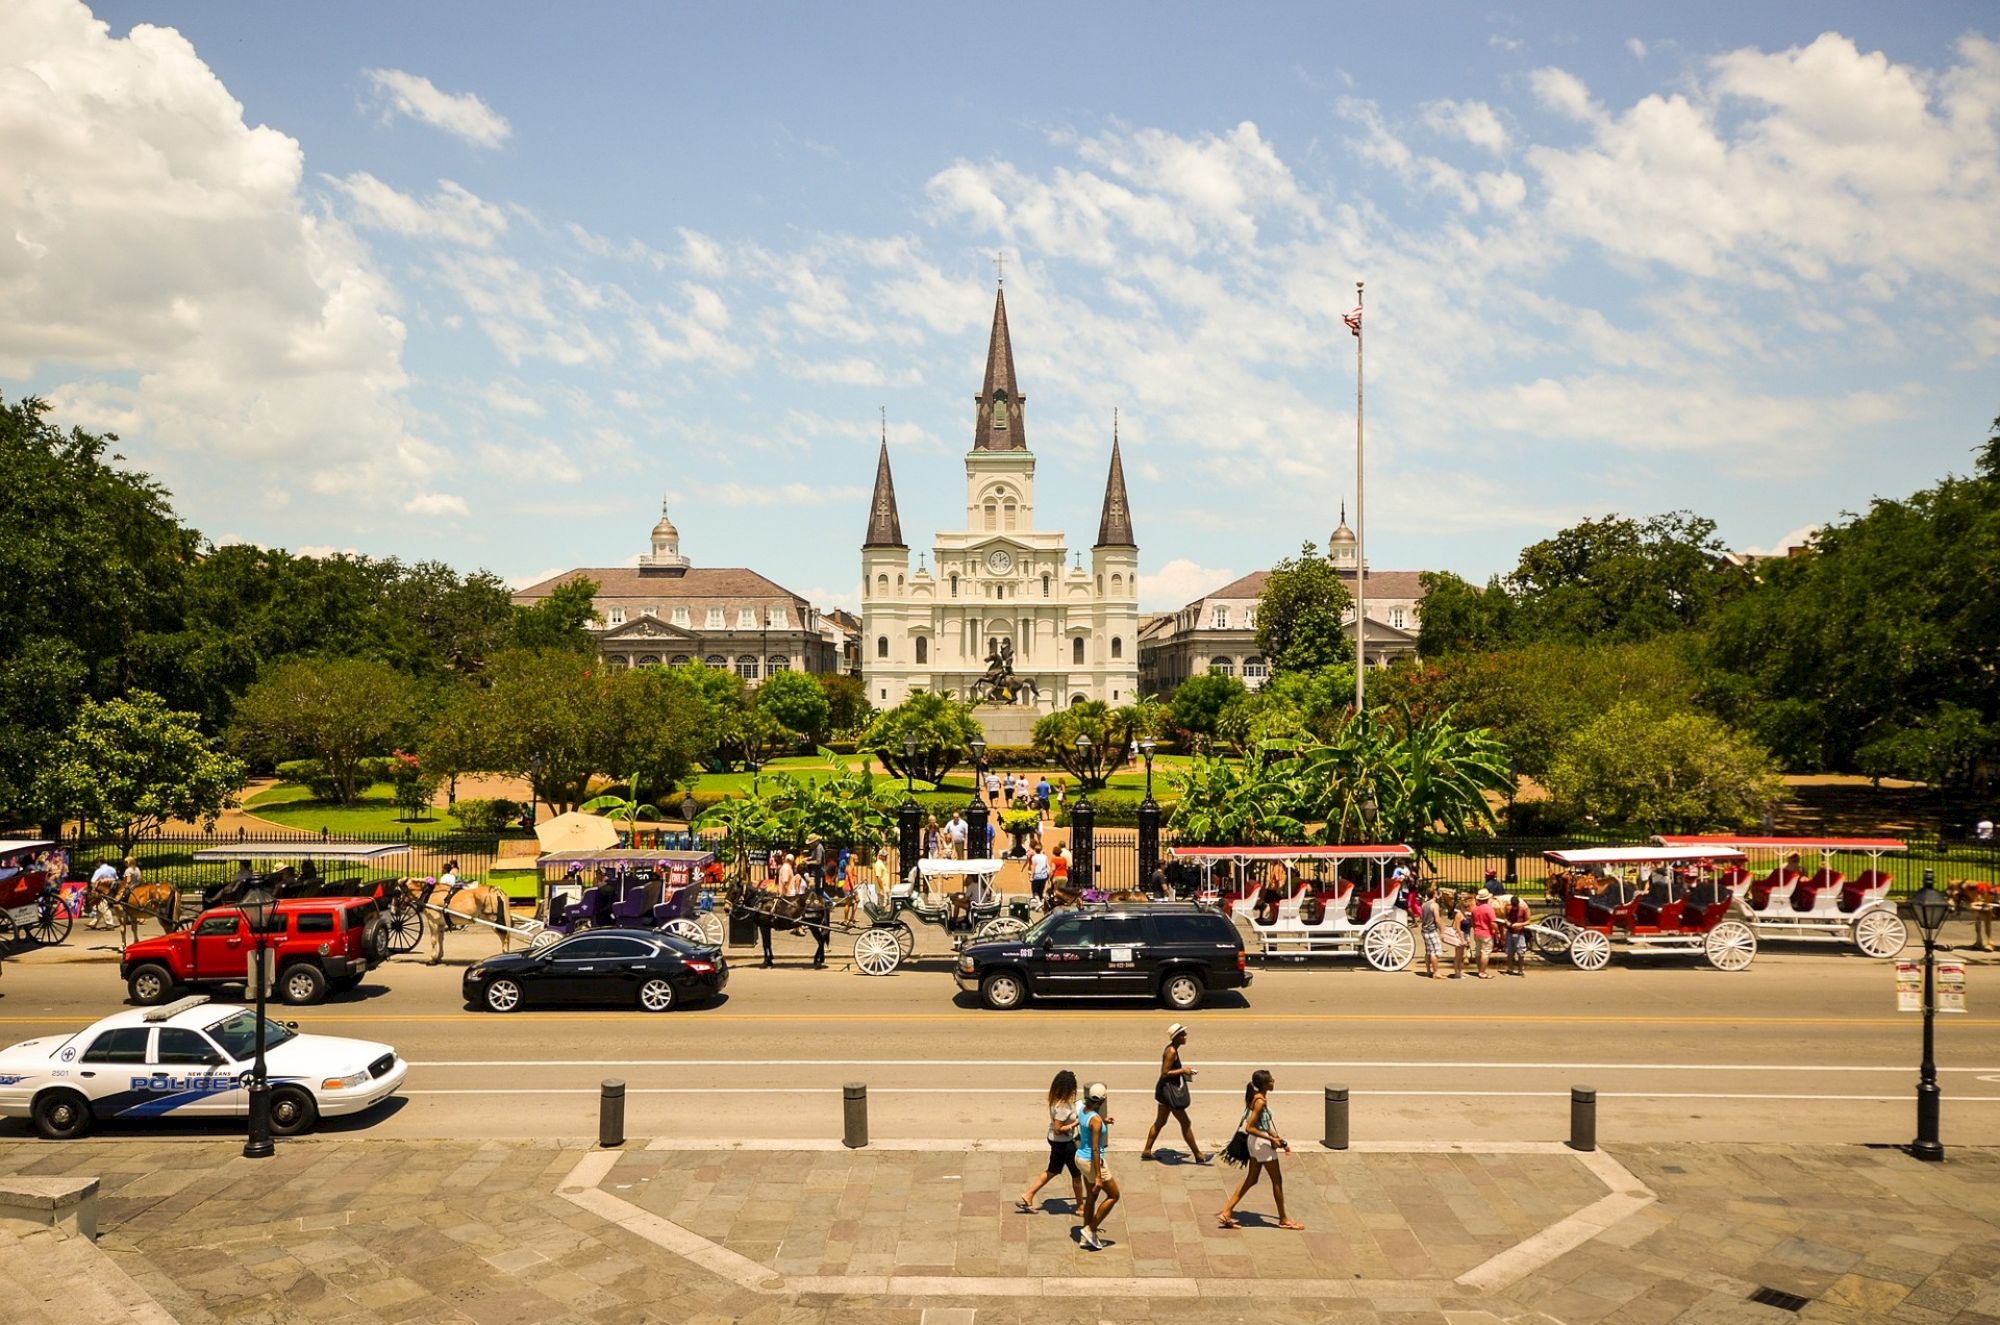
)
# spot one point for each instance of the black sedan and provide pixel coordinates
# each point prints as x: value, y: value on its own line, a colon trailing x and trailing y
x: 658, y: 972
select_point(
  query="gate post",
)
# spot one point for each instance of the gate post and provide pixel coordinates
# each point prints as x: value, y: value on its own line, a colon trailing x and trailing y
x: 1149, y: 839
x: 909, y: 840
x: 976, y: 819
x: 1083, y: 841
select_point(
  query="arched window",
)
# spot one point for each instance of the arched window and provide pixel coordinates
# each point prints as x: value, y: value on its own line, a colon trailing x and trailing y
x: 1221, y: 666
x: 746, y: 667
x: 645, y: 660
x: 1074, y: 700
x: 999, y: 591
x: 717, y: 661
x: 679, y: 660
x: 899, y: 584
x: 954, y: 586
x: 1100, y: 586
x: 999, y: 409
x: 923, y: 650
x: 882, y: 584
x: 1045, y: 584
x: 776, y: 663
x: 1117, y: 585
x: 1076, y: 651
x: 881, y: 646
x: 1117, y: 648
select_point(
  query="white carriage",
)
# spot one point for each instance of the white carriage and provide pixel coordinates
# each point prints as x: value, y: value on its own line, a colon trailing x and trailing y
x: 1654, y: 900
x: 975, y: 913
x: 1331, y: 900
x: 1826, y: 906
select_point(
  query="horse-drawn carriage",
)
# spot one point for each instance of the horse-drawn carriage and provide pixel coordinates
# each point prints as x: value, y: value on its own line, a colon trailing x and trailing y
x: 630, y: 889
x: 1652, y: 899
x: 974, y: 914
x: 31, y: 900
x: 1826, y: 906
x: 1307, y: 900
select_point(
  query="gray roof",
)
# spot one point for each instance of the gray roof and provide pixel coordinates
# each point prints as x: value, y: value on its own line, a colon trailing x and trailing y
x: 1000, y: 379
x: 885, y: 527
x: 1114, y: 527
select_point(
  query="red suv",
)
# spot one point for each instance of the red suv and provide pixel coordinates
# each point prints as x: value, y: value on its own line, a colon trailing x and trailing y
x: 320, y: 944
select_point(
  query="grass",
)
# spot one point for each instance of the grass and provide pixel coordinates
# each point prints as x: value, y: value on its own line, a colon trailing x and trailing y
x: 374, y: 815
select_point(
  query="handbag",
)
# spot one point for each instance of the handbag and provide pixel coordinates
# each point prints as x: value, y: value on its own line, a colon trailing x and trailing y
x: 1237, y: 1152
x: 1176, y: 1093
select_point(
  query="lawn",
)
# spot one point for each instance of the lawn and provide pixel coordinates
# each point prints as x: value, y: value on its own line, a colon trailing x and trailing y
x: 374, y: 815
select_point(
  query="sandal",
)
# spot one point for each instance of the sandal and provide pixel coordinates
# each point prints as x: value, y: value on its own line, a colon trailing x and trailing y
x: 1292, y: 1224
x: 1024, y: 1207
x: 1226, y: 1221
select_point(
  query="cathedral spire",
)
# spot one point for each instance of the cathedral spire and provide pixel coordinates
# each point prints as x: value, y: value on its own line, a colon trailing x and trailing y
x: 1114, y: 528
x: 885, y: 528
x: 1000, y: 426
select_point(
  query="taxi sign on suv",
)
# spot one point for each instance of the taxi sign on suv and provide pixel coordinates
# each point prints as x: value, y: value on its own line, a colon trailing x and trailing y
x: 190, y: 1059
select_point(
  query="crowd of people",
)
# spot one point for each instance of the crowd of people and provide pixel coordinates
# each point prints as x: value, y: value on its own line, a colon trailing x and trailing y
x: 1079, y: 1137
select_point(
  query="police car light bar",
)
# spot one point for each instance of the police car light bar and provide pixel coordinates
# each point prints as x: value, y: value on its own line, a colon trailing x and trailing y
x: 167, y: 1011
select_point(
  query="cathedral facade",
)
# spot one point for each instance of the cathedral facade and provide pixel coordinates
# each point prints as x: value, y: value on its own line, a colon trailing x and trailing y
x: 1007, y: 615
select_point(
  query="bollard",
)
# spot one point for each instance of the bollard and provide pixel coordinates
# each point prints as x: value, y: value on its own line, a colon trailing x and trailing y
x: 1336, y: 1118
x: 611, y: 1114
x: 1582, y: 1118
x: 854, y: 1115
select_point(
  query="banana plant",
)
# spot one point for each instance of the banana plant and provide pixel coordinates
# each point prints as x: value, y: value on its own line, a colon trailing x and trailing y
x: 629, y: 808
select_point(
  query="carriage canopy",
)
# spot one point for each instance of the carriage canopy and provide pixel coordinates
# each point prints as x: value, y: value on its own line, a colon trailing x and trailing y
x: 300, y: 851
x: 1385, y: 851
x: 1865, y: 845
x: 15, y: 846
x: 1588, y: 856
x: 931, y: 869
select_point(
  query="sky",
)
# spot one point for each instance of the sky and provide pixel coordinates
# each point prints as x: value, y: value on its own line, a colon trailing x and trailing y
x: 488, y: 282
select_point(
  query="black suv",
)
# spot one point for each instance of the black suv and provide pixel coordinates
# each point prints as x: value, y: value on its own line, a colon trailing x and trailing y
x: 1173, y: 951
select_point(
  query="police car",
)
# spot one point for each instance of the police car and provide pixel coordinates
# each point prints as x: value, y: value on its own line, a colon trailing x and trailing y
x: 190, y: 1059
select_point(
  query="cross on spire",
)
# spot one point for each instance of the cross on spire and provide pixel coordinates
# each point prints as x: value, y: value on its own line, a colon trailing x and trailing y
x: 1000, y: 267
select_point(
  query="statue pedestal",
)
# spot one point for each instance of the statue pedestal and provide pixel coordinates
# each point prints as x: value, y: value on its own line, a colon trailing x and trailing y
x: 1007, y: 724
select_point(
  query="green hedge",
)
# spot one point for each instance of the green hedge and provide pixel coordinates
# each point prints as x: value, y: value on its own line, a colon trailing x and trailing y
x: 1117, y: 809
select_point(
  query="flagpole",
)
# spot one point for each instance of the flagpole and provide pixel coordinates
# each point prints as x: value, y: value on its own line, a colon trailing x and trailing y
x: 1360, y: 529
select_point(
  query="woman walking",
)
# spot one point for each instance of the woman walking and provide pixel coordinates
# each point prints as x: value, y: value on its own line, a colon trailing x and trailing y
x: 1173, y: 1093
x: 1260, y: 1150
x: 1062, y: 1142
x: 1100, y: 1191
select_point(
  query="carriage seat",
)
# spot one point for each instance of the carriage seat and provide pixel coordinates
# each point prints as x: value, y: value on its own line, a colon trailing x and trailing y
x: 1613, y: 906
x: 1780, y: 878
x: 1807, y: 894
x: 1658, y: 907
x: 1871, y: 884
x: 1366, y: 901
x: 630, y: 909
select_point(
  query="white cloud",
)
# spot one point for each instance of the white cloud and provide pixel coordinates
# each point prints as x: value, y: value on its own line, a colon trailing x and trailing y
x: 453, y: 214
x: 1799, y: 537
x: 165, y: 276
x: 1178, y: 583
x: 694, y: 333
x: 1468, y: 121
x: 325, y: 551
x: 520, y: 582
x: 1564, y: 93
x: 525, y: 314
x: 462, y: 115
x: 436, y: 503
x: 1637, y: 47
x: 507, y: 400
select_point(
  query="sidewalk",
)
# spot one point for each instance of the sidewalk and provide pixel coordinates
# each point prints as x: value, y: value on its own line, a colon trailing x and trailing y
x: 373, y: 1231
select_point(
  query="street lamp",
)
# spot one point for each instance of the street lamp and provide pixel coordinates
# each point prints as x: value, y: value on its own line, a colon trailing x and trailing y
x: 1149, y: 819
x: 1146, y: 747
x: 1929, y: 908
x: 975, y: 811
x: 257, y: 906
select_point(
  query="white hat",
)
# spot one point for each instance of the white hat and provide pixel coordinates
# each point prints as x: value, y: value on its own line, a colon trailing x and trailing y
x: 1400, y: 873
x: 1096, y: 1090
x: 1176, y: 1029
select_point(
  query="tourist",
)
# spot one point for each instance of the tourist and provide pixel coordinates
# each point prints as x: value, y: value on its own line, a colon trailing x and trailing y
x: 933, y: 836
x: 1174, y: 1092
x: 103, y: 883
x: 955, y: 833
x: 1062, y: 1142
x: 1042, y: 790
x: 788, y: 877
x: 1484, y: 924
x: 992, y: 834
x: 992, y: 790
x: 1062, y: 794
x: 1518, y: 919
x: 1038, y: 873
x: 1451, y: 930
x: 1257, y: 1144
x: 1021, y: 792
x: 1059, y: 869
x: 1100, y: 1191
x: 1429, y: 924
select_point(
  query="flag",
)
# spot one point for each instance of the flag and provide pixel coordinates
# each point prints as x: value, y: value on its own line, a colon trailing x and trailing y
x: 1353, y: 320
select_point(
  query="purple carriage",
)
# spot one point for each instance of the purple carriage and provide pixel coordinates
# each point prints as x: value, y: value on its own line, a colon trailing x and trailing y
x: 628, y: 889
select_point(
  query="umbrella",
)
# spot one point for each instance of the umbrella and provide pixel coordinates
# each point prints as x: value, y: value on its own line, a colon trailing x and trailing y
x: 577, y: 832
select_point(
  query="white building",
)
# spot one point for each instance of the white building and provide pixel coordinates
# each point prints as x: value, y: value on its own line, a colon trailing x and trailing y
x: 1000, y: 583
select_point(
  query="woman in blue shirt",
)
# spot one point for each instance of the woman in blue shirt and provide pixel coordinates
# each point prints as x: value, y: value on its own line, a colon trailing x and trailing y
x: 1099, y: 1186
x: 1265, y: 1143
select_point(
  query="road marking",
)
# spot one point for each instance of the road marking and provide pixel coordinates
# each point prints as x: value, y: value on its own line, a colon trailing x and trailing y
x: 1426, y: 1065
x: 1461, y: 1017
x: 1038, y: 1091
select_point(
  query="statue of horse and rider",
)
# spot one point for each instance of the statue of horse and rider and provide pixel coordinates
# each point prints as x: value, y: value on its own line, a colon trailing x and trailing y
x: 1000, y: 685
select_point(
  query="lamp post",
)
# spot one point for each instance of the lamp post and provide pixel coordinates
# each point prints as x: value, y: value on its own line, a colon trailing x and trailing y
x: 1083, y: 821
x: 1149, y: 819
x: 976, y: 812
x: 1929, y: 908
x: 257, y: 905
x: 909, y: 828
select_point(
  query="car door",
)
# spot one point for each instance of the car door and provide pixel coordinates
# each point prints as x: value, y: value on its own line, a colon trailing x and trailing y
x: 1122, y: 962
x: 574, y: 971
x: 113, y: 1070
x: 221, y: 947
x: 1065, y: 962
x: 624, y: 964
x: 212, y: 1087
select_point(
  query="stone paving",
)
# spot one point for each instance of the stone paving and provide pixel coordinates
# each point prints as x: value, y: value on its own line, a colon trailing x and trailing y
x: 369, y: 1231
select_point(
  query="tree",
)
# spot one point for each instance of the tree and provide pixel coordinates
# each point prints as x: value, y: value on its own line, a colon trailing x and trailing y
x: 1461, y: 618
x: 1227, y: 802
x: 1056, y: 736
x: 1619, y: 579
x: 1669, y: 773
x: 131, y: 765
x: 1299, y: 614
x: 1198, y: 702
x: 628, y: 807
x: 560, y: 621
x: 847, y: 701
x: 335, y: 710
x: 943, y: 729
x: 1290, y: 708
x: 664, y: 726
x: 798, y: 702
x: 1146, y: 716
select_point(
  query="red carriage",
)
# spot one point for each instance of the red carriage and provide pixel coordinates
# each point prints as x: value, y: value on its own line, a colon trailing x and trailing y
x: 1650, y: 900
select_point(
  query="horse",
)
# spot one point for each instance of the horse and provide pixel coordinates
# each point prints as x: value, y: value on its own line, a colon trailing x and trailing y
x: 1068, y: 894
x: 475, y: 901
x: 1980, y: 898
x: 809, y: 911
x: 156, y: 901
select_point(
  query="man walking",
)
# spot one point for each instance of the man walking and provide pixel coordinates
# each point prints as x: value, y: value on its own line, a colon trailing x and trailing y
x: 1038, y: 873
x: 954, y: 835
x: 103, y: 883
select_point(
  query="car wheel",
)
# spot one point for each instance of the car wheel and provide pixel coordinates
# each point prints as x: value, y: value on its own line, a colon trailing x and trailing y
x: 1003, y: 991
x: 302, y: 985
x: 1183, y: 991
x: 150, y: 984
x: 503, y: 996
x: 293, y: 1112
x: 61, y: 1115
x: 657, y: 995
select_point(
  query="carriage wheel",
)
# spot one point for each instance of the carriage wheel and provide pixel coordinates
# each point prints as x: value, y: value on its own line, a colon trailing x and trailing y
x: 906, y: 938
x: 405, y: 924
x: 1880, y: 934
x: 1000, y: 930
x: 50, y: 925
x: 876, y: 951
x: 1731, y: 945
x: 711, y: 928
x: 1550, y: 938
x: 544, y: 938
x: 1589, y: 949
x: 1388, y: 946
x: 683, y: 928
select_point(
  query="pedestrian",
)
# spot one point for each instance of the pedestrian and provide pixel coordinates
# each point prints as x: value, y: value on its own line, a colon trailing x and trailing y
x: 103, y: 882
x: 1451, y: 931
x: 1173, y: 1093
x: 1059, y: 869
x: 788, y: 877
x: 933, y: 835
x: 992, y: 833
x: 1257, y: 1144
x: 1042, y: 790
x: 993, y: 791
x: 1484, y: 925
x: 1428, y: 925
x: 1517, y: 919
x: 1100, y: 1189
x: 1062, y: 793
x: 1038, y: 873
x: 955, y: 833
x: 1062, y: 1142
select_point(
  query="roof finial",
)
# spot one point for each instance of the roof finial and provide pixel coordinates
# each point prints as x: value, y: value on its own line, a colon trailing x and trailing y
x: 1114, y: 425
x: 885, y: 424
x: 1000, y: 267
x: 1343, y: 510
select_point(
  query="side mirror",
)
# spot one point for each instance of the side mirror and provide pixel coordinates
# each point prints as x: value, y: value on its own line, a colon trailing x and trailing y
x: 213, y: 1059
x: 291, y: 1025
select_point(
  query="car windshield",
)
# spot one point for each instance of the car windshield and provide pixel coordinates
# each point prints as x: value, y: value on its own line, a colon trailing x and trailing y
x: 683, y: 946
x: 1041, y: 927
x: 237, y: 1034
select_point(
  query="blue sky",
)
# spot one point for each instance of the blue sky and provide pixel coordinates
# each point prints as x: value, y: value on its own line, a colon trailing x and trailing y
x: 483, y: 282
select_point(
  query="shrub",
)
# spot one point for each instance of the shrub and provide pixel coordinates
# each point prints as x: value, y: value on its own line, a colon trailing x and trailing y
x: 1116, y: 809
x: 487, y: 815
x: 312, y: 775
x: 1540, y: 818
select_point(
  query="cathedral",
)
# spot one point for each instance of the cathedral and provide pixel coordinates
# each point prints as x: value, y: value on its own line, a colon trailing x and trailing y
x: 1007, y: 616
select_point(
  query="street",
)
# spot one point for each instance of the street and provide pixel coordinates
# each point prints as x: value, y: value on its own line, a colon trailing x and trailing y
x: 1804, y: 1047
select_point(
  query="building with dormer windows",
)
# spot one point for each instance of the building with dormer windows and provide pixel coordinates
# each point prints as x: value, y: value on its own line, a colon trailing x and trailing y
x: 1000, y: 585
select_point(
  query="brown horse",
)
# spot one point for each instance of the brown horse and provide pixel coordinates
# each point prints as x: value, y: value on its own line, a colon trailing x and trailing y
x: 131, y: 906
x: 1067, y: 894
x: 1981, y: 898
x: 768, y: 911
x: 477, y: 901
